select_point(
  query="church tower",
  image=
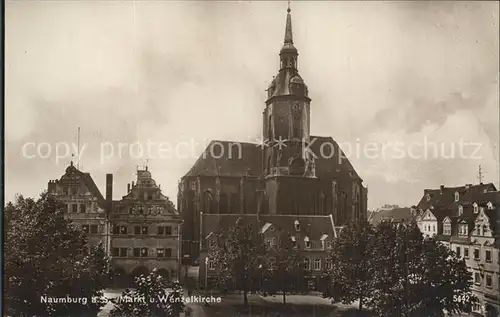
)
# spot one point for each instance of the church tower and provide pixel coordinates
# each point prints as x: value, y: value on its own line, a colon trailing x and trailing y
x: 286, y: 117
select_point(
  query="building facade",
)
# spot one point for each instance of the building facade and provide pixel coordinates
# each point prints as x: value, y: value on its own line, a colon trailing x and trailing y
x: 311, y: 234
x: 84, y: 204
x: 145, y: 231
x: 466, y: 220
x: 291, y: 173
x: 139, y: 232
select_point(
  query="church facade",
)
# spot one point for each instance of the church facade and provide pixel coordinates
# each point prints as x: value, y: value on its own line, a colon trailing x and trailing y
x: 290, y: 173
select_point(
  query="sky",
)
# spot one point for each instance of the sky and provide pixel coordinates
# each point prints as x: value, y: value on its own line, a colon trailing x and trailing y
x: 400, y: 76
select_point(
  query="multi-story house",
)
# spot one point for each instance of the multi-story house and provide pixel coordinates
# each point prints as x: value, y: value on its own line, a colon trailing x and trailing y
x: 144, y: 231
x: 84, y: 203
x: 466, y: 220
x: 311, y: 234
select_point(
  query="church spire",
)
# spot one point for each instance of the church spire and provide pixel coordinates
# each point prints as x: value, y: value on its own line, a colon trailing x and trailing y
x: 288, y: 28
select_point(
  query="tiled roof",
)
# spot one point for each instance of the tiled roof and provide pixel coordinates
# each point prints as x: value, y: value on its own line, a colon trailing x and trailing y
x: 445, y: 196
x: 213, y: 162
x: 313, y: 227
x: 397, y: 214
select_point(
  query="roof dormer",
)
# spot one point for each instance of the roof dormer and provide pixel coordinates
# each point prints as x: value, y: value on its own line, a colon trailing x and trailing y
x: 490, y: 205
x: 460, y: 210
x: 307, y: 242
x: 296, y: 225
x: 457, y: 196
x: 476, y: 208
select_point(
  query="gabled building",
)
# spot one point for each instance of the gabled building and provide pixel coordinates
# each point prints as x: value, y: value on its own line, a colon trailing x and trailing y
x: 466, y: 219
x: 311, y: 234
x: 145, y: 231
x: 291, y: 173
x: 84, y: 204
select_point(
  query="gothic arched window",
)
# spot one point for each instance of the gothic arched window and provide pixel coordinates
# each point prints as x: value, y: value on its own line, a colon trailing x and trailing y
x: 297, y: 166
x: 269, y: 129
x: 207, y: 202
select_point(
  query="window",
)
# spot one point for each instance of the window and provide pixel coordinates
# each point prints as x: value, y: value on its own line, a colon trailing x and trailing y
x: 463, y: 230
x: 141, y: 210
x: 211, y: 265
x: 477, y: 278
x: 307, y: 264
x: 307, y: 243
x: 137, y: 252
x: 488, y: 255
x: 328, y: 244
x: 145, y: 230
x: 433, y: 228
x: 297, y: 225
x: 74, y: 191
x: 223, y: 203
x: 168, y: 253
x: 161, y: 230
x: 116, y: 230
x: 447, y: 229
x: 144, y: 252
x: 115, y: 252
x: 476, y: 254
x: 460, y: 210
x: 328, y: 264
x: 85, y: 228
x: 123, y: 252
x: 168, y: 231
x: 83, y: 208
x: 160, y: 253
x: 131, y: 210
x: 488, y: 281
x: 137, y: 230
x: 75, y: 208
x: 123, y: 229
x: 458, y: 251
x: 466, y: 252
x: 317, y: 264
x: 457, y: 196
x: 476, y: 209
x: 94, y: 229
x: 428, y: 197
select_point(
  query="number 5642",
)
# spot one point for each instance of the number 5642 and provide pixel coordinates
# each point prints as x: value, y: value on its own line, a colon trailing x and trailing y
x: 461, y: 298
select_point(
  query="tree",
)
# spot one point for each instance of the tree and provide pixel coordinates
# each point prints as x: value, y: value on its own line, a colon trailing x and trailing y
x: 149, y: 299
x: 44, y: 259
x: 286, y: 271
x: 239, y: 258
x: 351, y: 256
x: 416, y: 276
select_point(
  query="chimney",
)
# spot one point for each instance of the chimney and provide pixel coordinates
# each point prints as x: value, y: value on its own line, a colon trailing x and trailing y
x: 132, y: 184
x: 128, y: 188
x: 467, y: 186
x: 109, y: 189
x: 442, y: 187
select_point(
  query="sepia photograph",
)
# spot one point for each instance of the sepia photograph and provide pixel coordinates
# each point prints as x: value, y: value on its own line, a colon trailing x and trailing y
x: 251, y: 158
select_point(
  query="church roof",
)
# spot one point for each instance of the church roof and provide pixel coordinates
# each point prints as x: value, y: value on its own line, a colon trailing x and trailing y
x: 228, y: 163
